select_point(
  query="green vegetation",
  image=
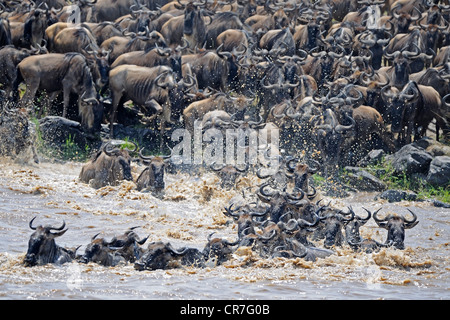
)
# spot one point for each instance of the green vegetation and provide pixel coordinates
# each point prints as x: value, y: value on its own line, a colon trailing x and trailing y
x: 71, y: 151
x: 129, y: 144
x: 385, y: 172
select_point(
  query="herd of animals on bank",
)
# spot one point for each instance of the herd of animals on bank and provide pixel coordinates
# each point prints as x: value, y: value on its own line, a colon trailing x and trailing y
x: 337, y: 78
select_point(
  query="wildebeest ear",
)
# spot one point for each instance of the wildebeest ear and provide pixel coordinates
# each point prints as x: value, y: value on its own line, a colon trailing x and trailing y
x: 58, y: 234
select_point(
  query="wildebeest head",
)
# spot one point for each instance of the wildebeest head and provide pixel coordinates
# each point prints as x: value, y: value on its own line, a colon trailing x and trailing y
x: 127, y: 245
x: 141, y: 18
x: 153, y: 175
x: 352, y: 234
x: 98, y: 251
x: 334, y: 221
x: 301, y: 173
x: 42, y: 248
x: 280, y: 19
x: 244, y: 218
x: 396, y: 226
x: 331, y: 137
x: 228, y: 174
x: 99, y: 66
x: 35, y: 25
x: 160, y: 255
x: 401, y: 63
x: 218, y: 249
x: 397, y: 104
x: 121, y: 167
x: 278, y: 200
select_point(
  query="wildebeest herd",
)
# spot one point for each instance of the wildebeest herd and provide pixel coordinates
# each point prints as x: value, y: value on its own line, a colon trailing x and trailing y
x: 337, y: 78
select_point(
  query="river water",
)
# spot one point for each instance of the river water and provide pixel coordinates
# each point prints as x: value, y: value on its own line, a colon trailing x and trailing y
x: 190, y: 210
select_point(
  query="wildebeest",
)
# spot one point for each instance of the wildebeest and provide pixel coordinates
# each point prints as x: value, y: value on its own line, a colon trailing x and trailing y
x: 396, y: 226
x: 15, y: 133
x: 152, y: 177
x: 69, y: 73
x: 334, y: 222
x: 31, y: 32
x: 42, y: 248
x: 411, y: 110
x: 330, y: 138
x: 244, y: 217
x: 10, y: 57
x: 213, y: 69
x: 228, y: 174
x: 146, y: 87
x: 99, y: 251
x: 107, y: 167
x: 5, y: 32
x: 279, y: 200
x: 161, y: 255
x: 218, y: 249
x: 120, y: 249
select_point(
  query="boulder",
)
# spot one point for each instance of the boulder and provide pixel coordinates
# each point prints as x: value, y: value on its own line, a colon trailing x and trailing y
x: 439, y: 172
x: 392, y: 195
x: 61, y: 137
x: 433, y: 147
x: 57, y: 130
x: 144, y: 137
x: 373, y: 157
x: 362, y: 180
x: 410, y: 159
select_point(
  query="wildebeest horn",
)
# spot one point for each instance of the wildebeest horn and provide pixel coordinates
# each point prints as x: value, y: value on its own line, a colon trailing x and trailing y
x: 145, y: 158
x: 265, y: 193
x: 351, y: 212
x: 312, y: 194
x: 31, y: 224
x: 59, y: 228
x: 230, y: 244
x: 410, y: 223
x: 300, y: 194
x: 341, y: 128
x: 177, y: 252
x: 380, y: 222
x: 369, y: 214
x: 271, y: 235
x: 231, y: 212
x: 316, y: 166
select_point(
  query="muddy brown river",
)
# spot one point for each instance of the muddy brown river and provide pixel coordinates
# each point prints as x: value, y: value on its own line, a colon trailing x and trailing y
x: 190, y: 210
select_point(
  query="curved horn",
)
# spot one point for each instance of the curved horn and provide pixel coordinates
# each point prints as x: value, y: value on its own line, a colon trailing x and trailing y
x: 265, y: 193
x: 271, y: 235
x: 59, y: 228
x: 31, y: 224
x: 230, y: 244
x: 364, y: 220
x: 216, y: 168
x: 145, y: 158
x: 341, y: 128
x: 410, y: 223
x: 177, y: 252
x: 380, y: 222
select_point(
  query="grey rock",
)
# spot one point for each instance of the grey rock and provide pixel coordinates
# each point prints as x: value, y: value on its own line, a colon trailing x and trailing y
x: 362, y: 180
x: 397, y: 195
x: 55, y: 131
x: 439, y: 172
x: 410, y: 159
x: 373, y: 157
